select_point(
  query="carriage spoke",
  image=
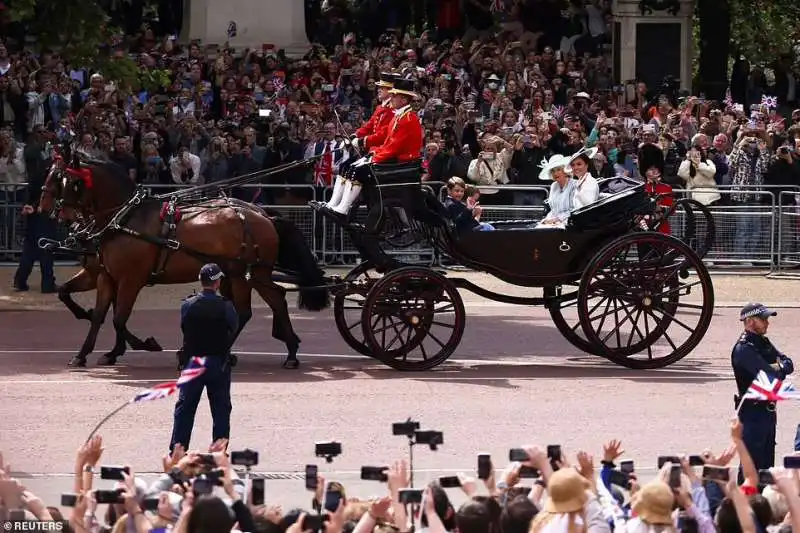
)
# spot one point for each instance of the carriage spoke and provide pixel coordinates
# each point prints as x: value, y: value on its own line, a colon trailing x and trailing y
x: 608, y: 305
x: 636, y: 328
x: 688, y: 305
x: 355, y: 324
x: 432, y: 336
x: 424, y: 353
x: 647, y: 332
x: 446, y: 309
x: 674, y: 319
x: 398, y: 336
x: 443, y: 324
x: 664, y: 333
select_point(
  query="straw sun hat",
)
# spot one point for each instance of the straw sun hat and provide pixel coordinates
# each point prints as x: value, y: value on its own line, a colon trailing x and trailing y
x: 653, y: 503
x: 566, y: 491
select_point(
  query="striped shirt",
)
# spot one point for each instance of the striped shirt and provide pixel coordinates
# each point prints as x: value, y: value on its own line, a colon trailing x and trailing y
x: 560, y: 200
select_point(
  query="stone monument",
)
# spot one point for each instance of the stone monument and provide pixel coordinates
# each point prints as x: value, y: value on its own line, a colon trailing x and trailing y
x: 652, y: 40
x: 256, y: 22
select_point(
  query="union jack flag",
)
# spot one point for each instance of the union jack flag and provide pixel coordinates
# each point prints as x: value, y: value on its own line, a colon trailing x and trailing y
x: 772, y: 390
x: 196, y: 366
x: 161, y: 390
x: 769, y: 101
x: 728, y: 98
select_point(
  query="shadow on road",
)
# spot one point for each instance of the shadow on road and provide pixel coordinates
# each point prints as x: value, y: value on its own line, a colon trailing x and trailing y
x: 266, y: 369
x: 495, y: 350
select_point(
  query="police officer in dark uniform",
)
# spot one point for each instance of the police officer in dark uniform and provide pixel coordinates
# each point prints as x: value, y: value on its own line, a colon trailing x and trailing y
x: 209, y: 323
x: 752, y: 353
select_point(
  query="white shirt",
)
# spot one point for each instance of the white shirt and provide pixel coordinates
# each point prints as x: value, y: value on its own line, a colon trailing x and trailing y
x: 176, y: 168
x: 586, y: 191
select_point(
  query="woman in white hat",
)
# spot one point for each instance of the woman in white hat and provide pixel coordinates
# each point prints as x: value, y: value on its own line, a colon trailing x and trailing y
x: 587, y: 190
x: 562, y: 191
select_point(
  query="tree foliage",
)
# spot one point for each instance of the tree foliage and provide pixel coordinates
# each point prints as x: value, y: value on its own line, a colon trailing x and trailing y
x: 81, y: 31
x: 763, y: 30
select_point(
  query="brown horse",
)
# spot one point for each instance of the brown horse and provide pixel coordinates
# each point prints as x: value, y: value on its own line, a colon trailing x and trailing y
x: 85, y: 279
x: 145, y: 241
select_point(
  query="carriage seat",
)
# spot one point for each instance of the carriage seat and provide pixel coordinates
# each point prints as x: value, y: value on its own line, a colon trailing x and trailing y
x: 398, y: 174
x: 609, y: 210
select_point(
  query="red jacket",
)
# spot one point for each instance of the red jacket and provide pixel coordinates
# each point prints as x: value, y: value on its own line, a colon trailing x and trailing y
x: 665, y: 201
x: 375, y: 129
x: 403, y: 141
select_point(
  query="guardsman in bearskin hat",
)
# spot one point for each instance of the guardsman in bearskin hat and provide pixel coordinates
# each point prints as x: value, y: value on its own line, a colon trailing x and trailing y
x: 371, y: 134
x: 651, y: 165
x: 404, y: 138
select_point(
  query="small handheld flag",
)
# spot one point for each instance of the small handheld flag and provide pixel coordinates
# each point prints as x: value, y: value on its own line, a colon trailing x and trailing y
x: 767, y: 389
x: 161, y: 390
x: 195, y: 369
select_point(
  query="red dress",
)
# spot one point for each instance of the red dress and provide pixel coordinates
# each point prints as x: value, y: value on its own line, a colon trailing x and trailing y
x: 665, y: 201
x: 403, y: 140
x: 375, y: 129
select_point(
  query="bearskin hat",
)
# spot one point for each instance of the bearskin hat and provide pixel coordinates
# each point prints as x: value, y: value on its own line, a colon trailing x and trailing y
x: 650, y: 155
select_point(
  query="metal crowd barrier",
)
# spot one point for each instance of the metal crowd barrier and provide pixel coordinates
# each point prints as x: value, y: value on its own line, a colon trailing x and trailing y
x: 762, y: 233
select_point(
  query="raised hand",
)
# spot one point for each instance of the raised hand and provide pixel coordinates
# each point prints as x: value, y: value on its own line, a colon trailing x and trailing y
x: 379, y: 509
x: 612, y: 450
x: 586, y: 465
x: 468, y: 485
x: 171, y: 460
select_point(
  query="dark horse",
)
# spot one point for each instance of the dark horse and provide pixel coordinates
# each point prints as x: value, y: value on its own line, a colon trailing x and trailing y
x: 85, y: 279
x: 145, y: 241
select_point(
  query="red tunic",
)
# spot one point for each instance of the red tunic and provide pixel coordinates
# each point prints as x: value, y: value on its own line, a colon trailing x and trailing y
x: 665, y: 201
x: 375, y: 129
x: 403, y: 141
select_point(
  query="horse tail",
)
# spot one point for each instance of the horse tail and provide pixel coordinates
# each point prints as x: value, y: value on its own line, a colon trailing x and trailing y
x: 294, y: 254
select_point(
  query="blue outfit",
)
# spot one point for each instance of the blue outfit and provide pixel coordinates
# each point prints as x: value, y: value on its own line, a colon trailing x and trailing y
x: 462, y: 216
x: 751, y: 354
x: 209, y: 323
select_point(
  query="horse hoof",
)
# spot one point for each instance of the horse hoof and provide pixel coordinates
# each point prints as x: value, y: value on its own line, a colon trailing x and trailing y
x: 291, y: 364
x: 77, y: 362
x: 107, y: 360
x: 152, y: 345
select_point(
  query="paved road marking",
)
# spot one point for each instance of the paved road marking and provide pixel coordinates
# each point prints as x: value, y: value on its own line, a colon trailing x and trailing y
x: 329, y: 474
x: 468, y: 379
x: 660, y: 374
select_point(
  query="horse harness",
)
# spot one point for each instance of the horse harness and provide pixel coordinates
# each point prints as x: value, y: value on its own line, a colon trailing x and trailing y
x: 170, y: 217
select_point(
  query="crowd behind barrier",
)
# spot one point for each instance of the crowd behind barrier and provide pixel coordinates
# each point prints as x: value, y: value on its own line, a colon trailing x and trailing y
x: 771, y: 217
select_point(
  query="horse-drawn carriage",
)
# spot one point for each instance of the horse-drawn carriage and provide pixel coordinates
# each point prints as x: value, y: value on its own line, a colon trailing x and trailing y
x: 613, y: 285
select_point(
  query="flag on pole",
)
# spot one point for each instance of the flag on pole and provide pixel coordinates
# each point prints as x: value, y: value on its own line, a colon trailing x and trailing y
x: 161, y: 390
x: 769, y: 389
x: 193, y: 370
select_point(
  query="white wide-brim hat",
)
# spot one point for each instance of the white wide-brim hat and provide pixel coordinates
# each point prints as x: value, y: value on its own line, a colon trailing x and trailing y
x: 590, y: 153
x: 556, y: 161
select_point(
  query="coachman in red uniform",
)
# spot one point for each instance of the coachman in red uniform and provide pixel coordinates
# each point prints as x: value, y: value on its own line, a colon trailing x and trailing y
x: 403, y: 143
x: 370, y: 135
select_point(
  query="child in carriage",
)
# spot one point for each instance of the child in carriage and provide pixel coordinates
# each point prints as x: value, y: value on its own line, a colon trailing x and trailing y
x: 466, y: 215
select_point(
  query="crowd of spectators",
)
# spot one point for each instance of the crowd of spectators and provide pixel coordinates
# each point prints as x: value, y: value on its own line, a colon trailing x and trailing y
x: 504, y: 84
x: 201, y: 493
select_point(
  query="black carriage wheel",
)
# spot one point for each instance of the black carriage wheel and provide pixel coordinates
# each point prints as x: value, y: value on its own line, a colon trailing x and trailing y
x: 645, y: 280
x: 348, y: 304
x: 696, y: 216
x: 568, y: 326
x: 413, y: 319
